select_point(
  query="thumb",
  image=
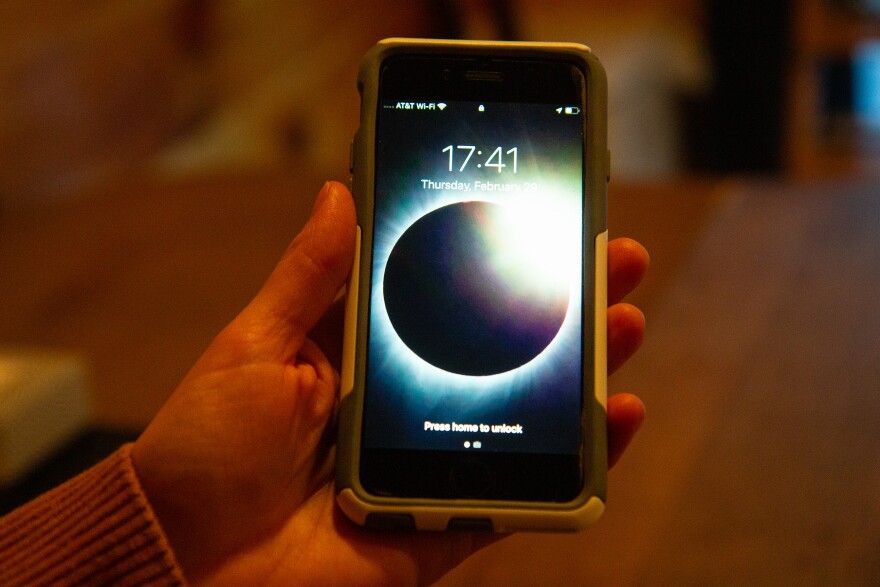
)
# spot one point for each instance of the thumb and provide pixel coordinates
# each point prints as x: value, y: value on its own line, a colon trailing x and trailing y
x: 312, y: 270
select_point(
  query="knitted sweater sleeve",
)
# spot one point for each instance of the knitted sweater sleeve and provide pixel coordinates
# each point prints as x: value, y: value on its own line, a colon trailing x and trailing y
x: 96, y: 529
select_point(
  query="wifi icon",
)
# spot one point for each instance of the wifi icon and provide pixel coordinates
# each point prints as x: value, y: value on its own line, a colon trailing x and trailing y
x: 441, y: 105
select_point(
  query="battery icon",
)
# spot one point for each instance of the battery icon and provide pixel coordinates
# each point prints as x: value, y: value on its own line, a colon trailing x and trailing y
x: 572, y: 110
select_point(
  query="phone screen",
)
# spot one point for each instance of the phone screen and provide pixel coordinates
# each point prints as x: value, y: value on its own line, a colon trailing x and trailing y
x: 476, y: 313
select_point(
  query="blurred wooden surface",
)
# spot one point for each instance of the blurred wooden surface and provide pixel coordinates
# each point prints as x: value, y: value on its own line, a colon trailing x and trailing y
x: 141, y: 276
x: 759, y: 462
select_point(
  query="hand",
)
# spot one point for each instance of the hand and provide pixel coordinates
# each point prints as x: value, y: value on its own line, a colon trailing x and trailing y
x: 238, y: 463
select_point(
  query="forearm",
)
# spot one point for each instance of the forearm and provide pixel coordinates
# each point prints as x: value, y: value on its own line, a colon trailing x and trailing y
x: 97, y: 528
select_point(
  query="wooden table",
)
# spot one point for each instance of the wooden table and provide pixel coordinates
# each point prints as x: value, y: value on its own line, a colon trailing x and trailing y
x: 760, y: 459
x: 139, y: 278
x: 759, y: 462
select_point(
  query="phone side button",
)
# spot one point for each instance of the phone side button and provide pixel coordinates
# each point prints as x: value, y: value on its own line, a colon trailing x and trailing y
x: 470, y: 525
x: 608, y: 166
x: 377, y: 521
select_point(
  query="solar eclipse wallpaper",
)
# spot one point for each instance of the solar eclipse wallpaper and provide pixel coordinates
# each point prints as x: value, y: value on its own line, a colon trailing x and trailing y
x: 477, y: 278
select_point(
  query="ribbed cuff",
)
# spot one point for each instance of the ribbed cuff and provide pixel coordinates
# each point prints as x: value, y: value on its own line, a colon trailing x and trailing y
x: 96, y: 529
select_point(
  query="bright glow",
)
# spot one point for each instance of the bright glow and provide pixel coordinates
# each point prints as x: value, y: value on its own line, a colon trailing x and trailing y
x: 536, y: 245
x: 554, y: 215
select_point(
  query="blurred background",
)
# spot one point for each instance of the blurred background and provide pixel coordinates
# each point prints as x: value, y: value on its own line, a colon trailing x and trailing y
x: 156, y: 157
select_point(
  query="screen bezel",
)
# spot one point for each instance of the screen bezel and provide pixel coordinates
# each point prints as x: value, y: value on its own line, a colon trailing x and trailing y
x: 505, y: 476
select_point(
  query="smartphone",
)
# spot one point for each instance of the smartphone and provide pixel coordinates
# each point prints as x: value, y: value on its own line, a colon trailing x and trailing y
x: 474, y: 369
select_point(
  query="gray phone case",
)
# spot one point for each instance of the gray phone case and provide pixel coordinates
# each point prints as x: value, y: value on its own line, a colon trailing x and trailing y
x: 465, y: 514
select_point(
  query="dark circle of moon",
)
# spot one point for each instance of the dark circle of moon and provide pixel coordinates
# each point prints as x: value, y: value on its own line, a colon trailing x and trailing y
x: 453, y: 306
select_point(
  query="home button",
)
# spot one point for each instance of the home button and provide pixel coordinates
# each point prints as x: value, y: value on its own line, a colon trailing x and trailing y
x: 471, y: 479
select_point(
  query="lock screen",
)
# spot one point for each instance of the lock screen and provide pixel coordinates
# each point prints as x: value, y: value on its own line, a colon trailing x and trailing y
x: 476, y: 298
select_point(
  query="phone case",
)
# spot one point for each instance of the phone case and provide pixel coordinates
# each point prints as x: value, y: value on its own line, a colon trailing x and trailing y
x: 467, y: 514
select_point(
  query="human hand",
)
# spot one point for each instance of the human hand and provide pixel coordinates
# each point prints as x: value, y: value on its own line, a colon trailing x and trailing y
x: 238, y: 464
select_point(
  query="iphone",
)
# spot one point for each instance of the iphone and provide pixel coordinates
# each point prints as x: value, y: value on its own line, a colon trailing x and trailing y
x: 474, y: 369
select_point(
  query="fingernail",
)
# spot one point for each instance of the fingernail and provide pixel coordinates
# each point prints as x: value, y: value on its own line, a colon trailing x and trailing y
x: 322, y: 194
